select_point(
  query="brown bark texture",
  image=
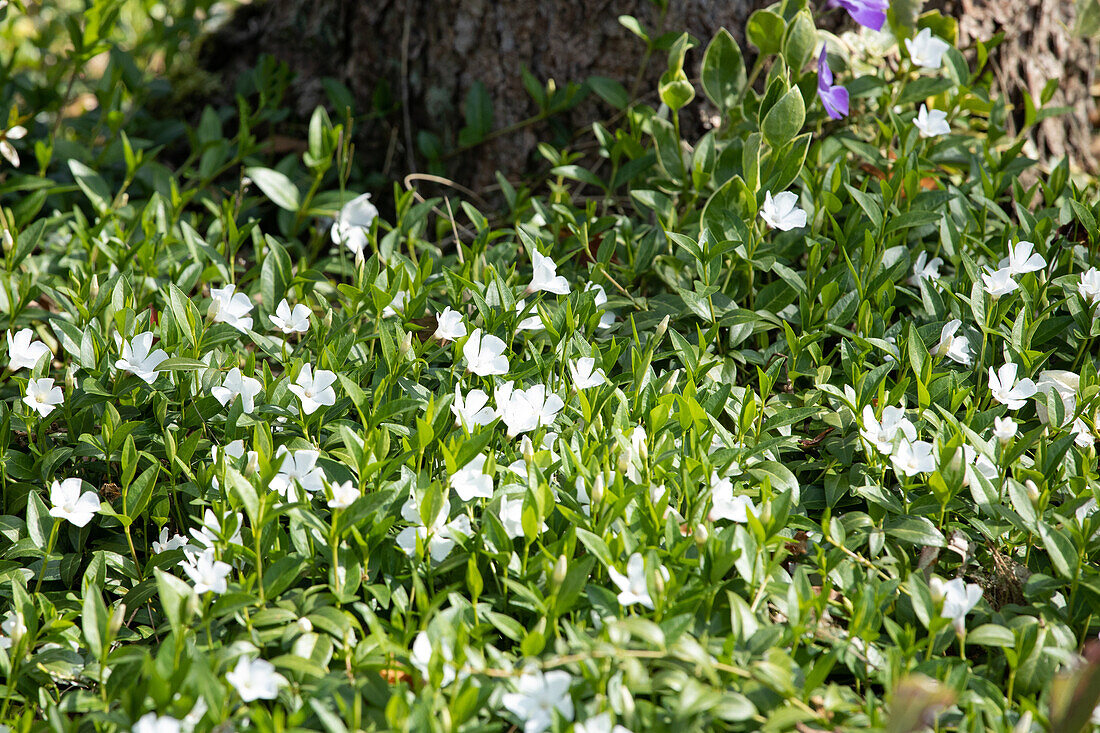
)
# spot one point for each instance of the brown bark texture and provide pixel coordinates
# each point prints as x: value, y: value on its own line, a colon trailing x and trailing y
x: 426, y: 54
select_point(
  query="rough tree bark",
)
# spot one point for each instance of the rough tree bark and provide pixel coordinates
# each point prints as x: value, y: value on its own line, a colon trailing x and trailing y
x: 425, y: 54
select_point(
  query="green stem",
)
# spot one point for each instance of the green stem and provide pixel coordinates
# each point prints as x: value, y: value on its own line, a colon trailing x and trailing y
x: 46, y: 558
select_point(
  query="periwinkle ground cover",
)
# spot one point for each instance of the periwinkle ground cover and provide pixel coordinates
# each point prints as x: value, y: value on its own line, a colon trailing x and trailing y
x: 787, y: 427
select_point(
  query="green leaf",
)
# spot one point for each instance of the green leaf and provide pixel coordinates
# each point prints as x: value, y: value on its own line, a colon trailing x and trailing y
x: 675, y: 89
x: 784, y: 120
x: 915, y: 531
x: 765, y: 30
x: 991, y: 635
x: 798, y: 45
x: 1063, y: 555
x: 94, y: 620
x: 1088, y: 18
x: 723, y: 71
x: 610, y: 91
x: 93, y: 186
x: 276, y: 186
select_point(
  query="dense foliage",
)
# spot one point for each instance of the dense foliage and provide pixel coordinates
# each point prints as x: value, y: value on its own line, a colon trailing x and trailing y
x: 787, y: 427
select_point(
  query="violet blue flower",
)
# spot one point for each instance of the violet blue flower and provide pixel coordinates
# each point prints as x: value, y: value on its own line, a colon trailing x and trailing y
x: 835, y: 98
x: 868, y: 13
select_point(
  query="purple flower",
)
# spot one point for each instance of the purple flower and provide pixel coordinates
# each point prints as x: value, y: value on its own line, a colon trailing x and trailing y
x: 835, y: 98
x: 868, y: 13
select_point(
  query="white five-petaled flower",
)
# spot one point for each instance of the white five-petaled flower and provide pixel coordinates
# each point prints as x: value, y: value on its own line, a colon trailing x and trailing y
x: 725, y: 505
x: 234, y: 451
x: 43, y: 396
x: 153, y: 723
x: 1004, y: 429
x: 586, y: 374
x: 914, y: 457
x: 958, y: 598
x: 166, y: 543
x: 955, y: 348
x: 881, y: 434
x: 998, y: 282
x: 1089, y: 287
x: 421, y: 658
x: 926, y: 50
x: 291, y: 320
x: 472, y: 410
x: 1022, y: 259
x: 343, y: 495
x: 238, y: 385
x: 231, y: 307
x: 607, y: 318
x: 68, y: 503
x: 139, y: 360
x: 449, y: 325
x: 397, y: 305
x: 353, y: 223
x: 925, y: 268
x: 1005, y: 389
x: 931, y: 123
x: 523, y: 410
x: 537, y: 696
x: 299, y: 466
x: 13, y: 628
x: 314, y: 390
x: 211, y: 531
x: 1065, y: 383
x: 471, y: 481
x: 437, y: 536
x: 484, y: 354
x: 206, y: 572
x: 23, y: 352
x: 511, y: 516
x: 530, y: 323
x: 255, y: 679
x: 782, y: 212
x: 545, y: 276
x: 7, y: 150
x: 632, y: 586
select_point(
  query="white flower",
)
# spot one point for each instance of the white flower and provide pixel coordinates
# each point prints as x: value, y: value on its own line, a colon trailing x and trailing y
x: 926, y: 50
x: 238, y: 385
x: 599, y: 724
x: 974, y: 462
x: 397, y: 305
x: 167, y: 544
x: 998, y: 282
x: 607, y: 319
x: 931, y: 123
x: 7, y: 150
x: 13, y: 628
x: 1089, y: 288
x: 1022, y: 259
x: 211, y: 530
x: 255, y: 679
x: 1004, y: 429
x: 421, y: 658
x: 289, y: 320
x: 1063, y: 382
x: 235, y: 451
x: 471, y: 482
x: 585, y: 375
x: 881, y: 434
x: 632, y: 586
x: 924, y: 268
x: 523, y: 410
x: 484, y: 354
x: 343, y: 495
x: 955, y: 348
x: 301, y: 467
x: 231, y: 307
x: 530, y: 323
x: 726, y: 506
x: 449, y: 325
x: 439, y: 537
x: 137, y: 359
x: 42, y: 396
x: 314, y: 390
x: 23, y: 353
x: 545, y: 276
x: 537, y: 696
x: 353, y: 222
x: 472, y: 410
x: 1082, y: 432
x: 206, y: 572
x: 782, y: 212
x: 153, y: 723
x: 511, y: 516
x: 632, y: 456
x: 914, y: 457
x: 1005, y: 389
x: 958, y: 598
x: 69, y: 503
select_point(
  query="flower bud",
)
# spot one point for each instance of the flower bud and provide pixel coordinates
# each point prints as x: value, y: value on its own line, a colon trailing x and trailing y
x: 117, y: 619
x: 326, y: 322
x: 597, y: 490
x: 662, y: 327
x: 1032, y: 491
x: 561, y: 567
x: 8, y: 241
x: 670, y: 385
x: 406, y: 345
x: 93, y: 287
x: 701, y: 535
x: 70, y: 378
x: 528, y: 450
x: 305, y: 625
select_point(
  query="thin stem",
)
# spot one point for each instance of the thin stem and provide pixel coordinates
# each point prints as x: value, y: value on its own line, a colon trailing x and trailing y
x: 46, y: 558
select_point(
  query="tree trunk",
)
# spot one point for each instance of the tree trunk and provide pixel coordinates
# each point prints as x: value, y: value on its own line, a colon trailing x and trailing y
x: 414, y: 61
